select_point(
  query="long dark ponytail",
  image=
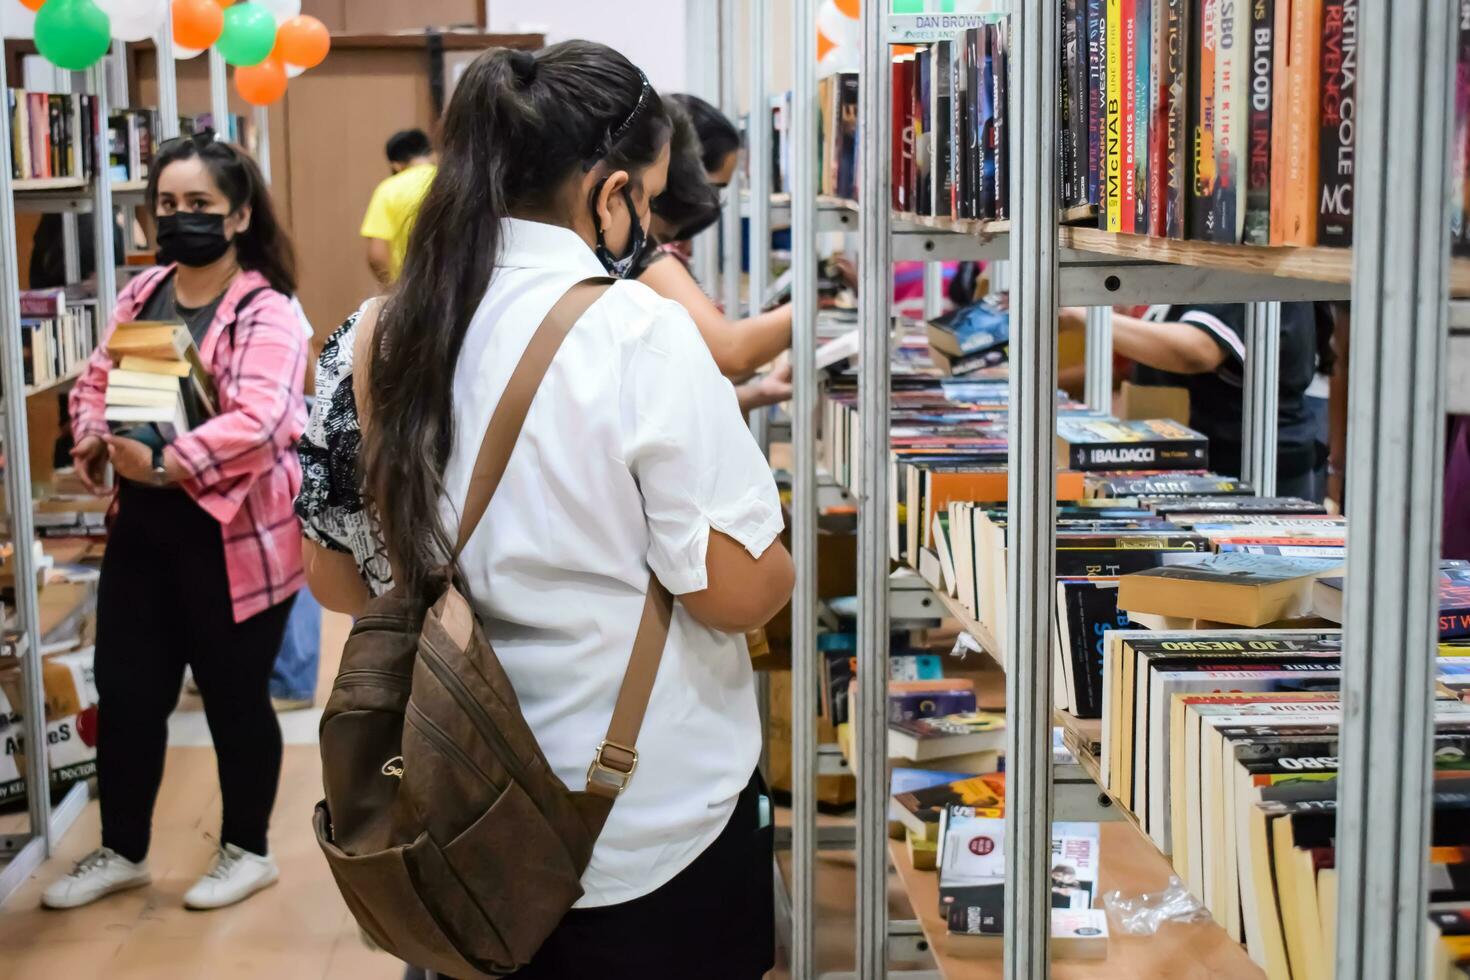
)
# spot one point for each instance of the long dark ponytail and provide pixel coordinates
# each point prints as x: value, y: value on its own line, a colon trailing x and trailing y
x: 263, y: 247
x: 519, y: 125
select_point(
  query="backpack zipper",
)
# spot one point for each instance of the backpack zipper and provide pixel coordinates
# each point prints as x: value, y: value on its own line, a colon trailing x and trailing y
x: 481, y: 719
x: 431, y: 730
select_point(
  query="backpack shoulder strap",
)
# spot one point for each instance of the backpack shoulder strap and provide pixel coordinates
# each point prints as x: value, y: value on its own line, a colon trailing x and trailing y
x: 515, y: 402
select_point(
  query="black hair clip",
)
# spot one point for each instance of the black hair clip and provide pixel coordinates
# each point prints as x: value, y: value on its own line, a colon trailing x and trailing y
x: 638, y: 109
x: 523, y: 64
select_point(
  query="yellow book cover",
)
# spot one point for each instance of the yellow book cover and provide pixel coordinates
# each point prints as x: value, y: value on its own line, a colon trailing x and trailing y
x: 1113, y: 124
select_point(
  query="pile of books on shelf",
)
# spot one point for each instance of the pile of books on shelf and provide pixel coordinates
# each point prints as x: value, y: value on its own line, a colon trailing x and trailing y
x: 1185, y: 119
x: 1220, y: 729
x: 52, y: 136
x: 58, y: 334
x: 131, y: 140
x: 159, y: 387
x: 837, y: 112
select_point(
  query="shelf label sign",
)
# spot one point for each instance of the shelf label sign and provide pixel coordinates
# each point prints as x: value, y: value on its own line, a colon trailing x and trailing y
x: 928, y: 28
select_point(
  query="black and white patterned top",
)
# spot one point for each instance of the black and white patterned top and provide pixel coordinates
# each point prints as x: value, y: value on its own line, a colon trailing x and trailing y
x: 330, y: 503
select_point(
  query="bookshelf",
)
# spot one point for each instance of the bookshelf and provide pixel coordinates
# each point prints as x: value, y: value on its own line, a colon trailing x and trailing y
x: 24, y: 848
x: 1399, y: 276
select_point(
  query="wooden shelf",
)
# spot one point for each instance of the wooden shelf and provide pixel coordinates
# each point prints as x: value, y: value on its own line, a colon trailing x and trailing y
x: 129, y: 186
x: 1129, y: 864
x: 57, y: 383
x: 47, y: 184
x: 971, y: 625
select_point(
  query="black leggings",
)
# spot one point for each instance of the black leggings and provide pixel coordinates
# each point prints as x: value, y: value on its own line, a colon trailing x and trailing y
x: 163, y: 602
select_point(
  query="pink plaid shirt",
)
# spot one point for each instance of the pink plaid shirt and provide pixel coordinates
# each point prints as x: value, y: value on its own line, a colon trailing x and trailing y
x: 242, y: 463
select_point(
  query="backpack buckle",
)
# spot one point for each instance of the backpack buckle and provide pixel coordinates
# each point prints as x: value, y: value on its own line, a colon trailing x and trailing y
x: 609, y: 775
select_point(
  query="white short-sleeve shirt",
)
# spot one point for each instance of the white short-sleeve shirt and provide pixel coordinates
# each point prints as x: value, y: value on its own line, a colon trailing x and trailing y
x: 633, y: 449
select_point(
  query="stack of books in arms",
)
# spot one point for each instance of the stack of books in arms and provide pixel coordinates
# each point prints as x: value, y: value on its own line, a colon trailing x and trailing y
x: 52, y: 136
x: 58, y: 334
x: 159, y: 388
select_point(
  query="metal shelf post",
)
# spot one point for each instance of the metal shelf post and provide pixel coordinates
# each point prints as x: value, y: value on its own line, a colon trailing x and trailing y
x: 1395, y: 477
x: 168, y: 82
x: 1262, y: 386
x: 803, y: 137
x: 18, y: 493
x: 1099, y: 385
x: 1030, y: 559
x: 730, y: 220
x: 103, y: 219
x: 263, y: 141
x: 875, y: 300
x: 219, y: 94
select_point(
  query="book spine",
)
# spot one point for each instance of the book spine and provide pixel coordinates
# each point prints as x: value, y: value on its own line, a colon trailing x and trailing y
x: 1258, y: 170
x: 1303, y: 96
x: 982, y: 163
x: 1338, y: 119
x: 1230, y: 89
x: 1460, y: 186
x: 898, y: 119
x: 1202, y: 197
x: 1096, y: 99
x: 960, y: 128
x: 1280, y: 92
x: 919, y: 110
x: 1079, y: 111
x: 1142, y: 112
x: 1128, y: 165
x: 943, y: 94
x: 1066, y: 100
x: 1158, y: 121
x: 1001, y: 108
x: 1113, y: 121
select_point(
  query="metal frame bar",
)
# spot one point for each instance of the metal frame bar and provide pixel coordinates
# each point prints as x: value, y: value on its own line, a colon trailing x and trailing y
x: 1030, y: 559
x: 803, y: 137
x: 730, y: 221
x: 702, y: 27
x: 1262, y: 390
x: 168, y: 81
x: 1099, y: 389
x: 219, y: 93
x: 1395, y: 477
x: 18, y: 493
x: 875, y: 299
x: 263, y: 141
x: 103, y: 217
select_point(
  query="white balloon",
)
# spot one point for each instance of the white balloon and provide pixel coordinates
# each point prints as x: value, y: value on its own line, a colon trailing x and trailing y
x: 282, y: 10
x: 293, y: 71
x: 134, y: 20
x: 840, y: 59
x: 841, y: 30
x: 182, y: 53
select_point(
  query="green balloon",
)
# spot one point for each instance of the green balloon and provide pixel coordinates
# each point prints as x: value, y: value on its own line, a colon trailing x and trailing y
x: 249, y: 34
x: 72, y: 34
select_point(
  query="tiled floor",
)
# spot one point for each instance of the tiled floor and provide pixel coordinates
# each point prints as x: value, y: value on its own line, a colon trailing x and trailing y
x: 297, y: 929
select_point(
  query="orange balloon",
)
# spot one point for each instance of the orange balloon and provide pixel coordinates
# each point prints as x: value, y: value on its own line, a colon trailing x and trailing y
x: 224, y: 3
x: 302, y: 41
x: 824, y: 44
x: 32, y: 4
x: 197, y: 23
x: 261, y: 84
x: 850, y: 8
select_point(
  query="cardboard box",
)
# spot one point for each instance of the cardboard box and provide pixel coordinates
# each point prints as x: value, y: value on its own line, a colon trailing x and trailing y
x: 1153, y: 402
x: 71, y: 723
x: 831, y: 790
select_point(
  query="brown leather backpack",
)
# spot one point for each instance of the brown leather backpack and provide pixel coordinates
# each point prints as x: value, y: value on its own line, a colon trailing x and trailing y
x: 454, y: 844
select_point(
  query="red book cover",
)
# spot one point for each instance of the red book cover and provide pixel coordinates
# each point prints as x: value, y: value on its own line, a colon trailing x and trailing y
x: 1128, y: 206
x: 1158, y: 131
x: 900, y: 114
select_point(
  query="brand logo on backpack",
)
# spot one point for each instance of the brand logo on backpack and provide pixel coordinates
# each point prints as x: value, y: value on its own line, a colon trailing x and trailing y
x: 394, y: 767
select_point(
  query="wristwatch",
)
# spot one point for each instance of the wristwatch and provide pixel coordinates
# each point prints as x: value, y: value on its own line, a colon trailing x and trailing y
x: 160, y: 473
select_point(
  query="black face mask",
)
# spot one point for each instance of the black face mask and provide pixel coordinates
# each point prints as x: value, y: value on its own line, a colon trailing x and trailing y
x: 615, y: 265
x: 191, y: 238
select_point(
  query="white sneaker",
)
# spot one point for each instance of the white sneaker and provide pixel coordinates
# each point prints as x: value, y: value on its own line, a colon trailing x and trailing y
x: 237, y: 874
x: 99, y: 874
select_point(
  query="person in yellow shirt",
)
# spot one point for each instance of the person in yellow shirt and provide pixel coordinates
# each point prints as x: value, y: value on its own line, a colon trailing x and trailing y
x: 395, y: 203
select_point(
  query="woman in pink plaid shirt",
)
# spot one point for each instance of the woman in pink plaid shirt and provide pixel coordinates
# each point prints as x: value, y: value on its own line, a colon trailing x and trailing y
x: 204, y: 553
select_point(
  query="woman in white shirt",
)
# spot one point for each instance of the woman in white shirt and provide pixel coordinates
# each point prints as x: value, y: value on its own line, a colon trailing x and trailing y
x: 633, y: 457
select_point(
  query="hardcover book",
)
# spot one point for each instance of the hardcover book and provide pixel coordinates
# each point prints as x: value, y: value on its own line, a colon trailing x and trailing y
x: 1338, y: 121
x: 1258, y: 165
